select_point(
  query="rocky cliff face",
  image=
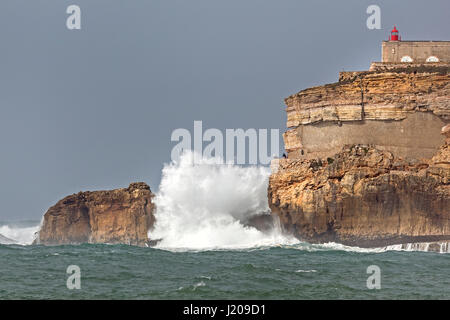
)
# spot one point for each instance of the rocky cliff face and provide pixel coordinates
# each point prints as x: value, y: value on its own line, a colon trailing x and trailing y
x: 357, y: 171
x: 385, y: 94
x: 398, y: 109
x: 114, y: 216
x: 364, y: 197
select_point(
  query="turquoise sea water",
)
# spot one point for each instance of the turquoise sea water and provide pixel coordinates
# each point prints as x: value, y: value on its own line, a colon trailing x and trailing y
x: 299, y: 271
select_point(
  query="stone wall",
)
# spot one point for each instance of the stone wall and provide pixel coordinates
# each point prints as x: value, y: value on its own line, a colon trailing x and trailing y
x: 418, y: 136
x: 402, y: 67
x: 419, y: 51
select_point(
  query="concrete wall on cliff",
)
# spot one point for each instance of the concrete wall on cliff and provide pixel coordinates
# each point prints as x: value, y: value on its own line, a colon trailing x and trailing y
x: 418, y: 136
x: 401, y: 111
x: 418, y: 51
x: 368, y: 159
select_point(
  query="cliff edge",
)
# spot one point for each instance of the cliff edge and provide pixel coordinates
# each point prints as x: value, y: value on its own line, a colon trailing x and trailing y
x: 368, y: 159
x: 114, y: 216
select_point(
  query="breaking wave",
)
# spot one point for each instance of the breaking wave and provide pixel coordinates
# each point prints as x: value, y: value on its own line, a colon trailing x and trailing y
x: 203, y: 204
x: 22, y: 233
x: 439, y: 247
x: 206, y: 205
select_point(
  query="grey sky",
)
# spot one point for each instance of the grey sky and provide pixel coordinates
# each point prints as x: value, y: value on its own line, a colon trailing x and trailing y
x: 95, y: 108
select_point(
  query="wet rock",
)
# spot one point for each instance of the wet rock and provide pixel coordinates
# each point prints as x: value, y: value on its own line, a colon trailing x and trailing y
x: 113, y: 216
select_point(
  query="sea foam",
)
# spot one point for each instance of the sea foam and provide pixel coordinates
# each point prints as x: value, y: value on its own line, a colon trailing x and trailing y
x: 203, y: 205
x: 19, y: 234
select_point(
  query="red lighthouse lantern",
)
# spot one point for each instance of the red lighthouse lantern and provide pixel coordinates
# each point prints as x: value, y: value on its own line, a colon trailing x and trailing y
x: 394, y: 35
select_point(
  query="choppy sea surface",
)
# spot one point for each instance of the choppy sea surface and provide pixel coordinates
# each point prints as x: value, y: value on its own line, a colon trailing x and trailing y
x: 208, y: 252
x: 300, y: 271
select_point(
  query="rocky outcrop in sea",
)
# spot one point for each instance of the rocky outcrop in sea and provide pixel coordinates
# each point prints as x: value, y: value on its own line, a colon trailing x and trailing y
x: 114, y: 216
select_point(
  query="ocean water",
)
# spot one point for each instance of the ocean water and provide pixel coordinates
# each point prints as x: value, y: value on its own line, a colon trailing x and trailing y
x: 299, y: 271
x: 208, y: 252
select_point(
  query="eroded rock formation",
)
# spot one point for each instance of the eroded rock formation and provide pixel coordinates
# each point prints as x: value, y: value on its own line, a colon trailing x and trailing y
x: 368, y: 159
x: 364, y: 197
x: 113, y: 216
x: 399, y: 109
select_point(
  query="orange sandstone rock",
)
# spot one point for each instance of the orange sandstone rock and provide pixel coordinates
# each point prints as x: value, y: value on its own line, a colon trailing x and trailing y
x: 368, y: 159
x: 114, y: 216
x: 363, y: 197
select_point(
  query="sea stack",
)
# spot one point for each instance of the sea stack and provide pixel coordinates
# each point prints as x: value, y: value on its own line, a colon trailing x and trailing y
x: 369, y: 156
x: 114, y: 216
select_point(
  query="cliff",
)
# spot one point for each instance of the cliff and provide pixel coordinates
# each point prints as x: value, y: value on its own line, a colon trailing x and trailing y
x: 115, y: 216
x: 368, y: 159
x: 395, y: 108
x: 364, y: 197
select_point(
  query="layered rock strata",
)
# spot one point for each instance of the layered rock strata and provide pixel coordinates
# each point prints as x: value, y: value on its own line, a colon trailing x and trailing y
x: 114, y: 216
x: 368, y: 159
x: 364, y: 197
x: 400, y: 110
